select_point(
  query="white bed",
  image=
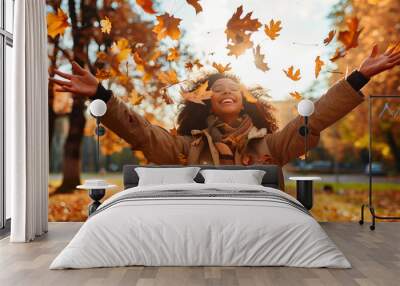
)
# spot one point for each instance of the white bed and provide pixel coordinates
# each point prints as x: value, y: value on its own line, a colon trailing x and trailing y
x: 250, y: 225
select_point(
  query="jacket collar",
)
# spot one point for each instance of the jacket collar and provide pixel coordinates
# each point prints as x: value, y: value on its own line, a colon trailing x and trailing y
x: 253, y: 134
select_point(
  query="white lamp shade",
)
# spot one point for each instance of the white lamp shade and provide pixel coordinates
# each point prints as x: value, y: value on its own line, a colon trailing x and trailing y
x: 305, y: 107
x: 98, y: 108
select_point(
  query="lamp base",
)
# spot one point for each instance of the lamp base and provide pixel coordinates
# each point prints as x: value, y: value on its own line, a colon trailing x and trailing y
x: 96, y: 195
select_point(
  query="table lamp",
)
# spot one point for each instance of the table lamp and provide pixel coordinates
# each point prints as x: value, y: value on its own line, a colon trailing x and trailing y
x: 304, y: 185
x: 97, y: 109
x: 305, y: 108
x: 96, y: 187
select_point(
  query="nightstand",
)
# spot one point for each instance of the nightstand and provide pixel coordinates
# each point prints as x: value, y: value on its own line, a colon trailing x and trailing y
x: 304, y: 190
x: 97, y: 190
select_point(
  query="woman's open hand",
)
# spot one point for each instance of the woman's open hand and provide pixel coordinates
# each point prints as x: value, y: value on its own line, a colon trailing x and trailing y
x: 81, y: 82
x: 377, y: 63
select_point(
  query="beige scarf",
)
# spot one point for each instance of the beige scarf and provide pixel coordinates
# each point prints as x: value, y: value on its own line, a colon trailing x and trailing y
x: 228, y: 139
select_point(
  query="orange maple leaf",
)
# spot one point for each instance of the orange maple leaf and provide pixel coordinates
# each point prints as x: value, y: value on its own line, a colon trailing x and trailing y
x: 238, y: 31
x: 57, y: 23
x: 167, y: 26
x: 147, y: 5
x: 329, y: 38
x: 237, y: 26
x: 272, y: 31
x: 338, y: 54
x: 191, y: 65
x: 318, y: 65
x: 102, y: 74
x: 140, y: 63
x: 155, y: 55
x: 293, y: 76
x: 296, y: 95
x: 173, y: 54
x: 105, y: 25
x: 221, y: 68
x: 349, y: 37
x: 101, y: 56
x: 121, y: 49
x: 238, y: 48
x: 135, y: 98
x: 259, y: 59
x: 168, y: 77
x: 198, y: 95
x: 196, y: 5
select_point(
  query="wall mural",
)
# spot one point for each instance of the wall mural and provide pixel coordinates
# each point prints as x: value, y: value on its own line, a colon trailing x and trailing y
x: 158, y: 58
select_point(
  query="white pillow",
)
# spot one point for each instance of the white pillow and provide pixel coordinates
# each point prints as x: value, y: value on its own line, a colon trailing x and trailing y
x: 163, y: 176
x: 249, y: 177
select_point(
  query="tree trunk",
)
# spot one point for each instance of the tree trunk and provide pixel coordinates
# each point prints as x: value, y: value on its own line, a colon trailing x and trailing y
x: 72, y: 147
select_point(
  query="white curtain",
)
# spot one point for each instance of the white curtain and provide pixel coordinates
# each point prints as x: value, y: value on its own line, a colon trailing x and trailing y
x: 27, y: 124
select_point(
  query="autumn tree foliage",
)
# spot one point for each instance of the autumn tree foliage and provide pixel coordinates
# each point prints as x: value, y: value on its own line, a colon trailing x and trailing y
x: 368, y: 22
x: 123, y: 50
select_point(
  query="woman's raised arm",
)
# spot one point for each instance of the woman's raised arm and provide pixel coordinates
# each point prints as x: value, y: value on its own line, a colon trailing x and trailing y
x: 287, y: 144
x: 157, y: 144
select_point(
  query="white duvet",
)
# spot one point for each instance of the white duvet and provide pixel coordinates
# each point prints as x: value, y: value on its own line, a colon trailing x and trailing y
x: 204, y: 231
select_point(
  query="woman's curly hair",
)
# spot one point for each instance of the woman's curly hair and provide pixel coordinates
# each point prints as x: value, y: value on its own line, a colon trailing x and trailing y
x: 194, y: 116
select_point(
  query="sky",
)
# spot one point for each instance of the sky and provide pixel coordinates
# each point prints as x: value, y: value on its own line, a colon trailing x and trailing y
x: 304, y: 23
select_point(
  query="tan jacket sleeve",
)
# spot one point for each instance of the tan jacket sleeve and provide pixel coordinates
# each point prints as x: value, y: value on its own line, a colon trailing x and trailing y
x: 157, y: 144
x: 288, y: 144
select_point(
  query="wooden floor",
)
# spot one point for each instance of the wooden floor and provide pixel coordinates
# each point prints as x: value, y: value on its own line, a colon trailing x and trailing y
x: 375, y: 257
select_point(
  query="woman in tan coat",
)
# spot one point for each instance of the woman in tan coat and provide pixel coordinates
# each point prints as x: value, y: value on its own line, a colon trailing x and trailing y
x: 228, y: 129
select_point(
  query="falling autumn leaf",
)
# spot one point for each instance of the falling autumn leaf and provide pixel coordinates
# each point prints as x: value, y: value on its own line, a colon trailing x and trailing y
x: 135, y: 98
x: 329, y: 38
x: 196, y: 5
x: 147, y: 5
x: 105, y: 25
x: 173, y: 54
x: 237, y: 26
x: 191, y: 65
x: 168, y: 77
x: 101, y: 56
x: 221, y: 68
x: 296, y: 95
x: 121, y: 49
x: 198, y: 64
x: 167, y: 26
x: 272, y: 31
x: 259, y: 59
x: 338, y: 54
x: 198, y: 95
x: 57, y: 23
x: 293, y: 76
x: 103, y: 74
x: 239, y: 48
x: 349, y: 37
x: 238, y: 32
x: 318, y: 65
x: 139, y: 62
x: 155, y: 55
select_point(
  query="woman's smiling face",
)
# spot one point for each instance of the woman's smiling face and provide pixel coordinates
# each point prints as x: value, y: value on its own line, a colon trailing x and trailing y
x: 226, y: 98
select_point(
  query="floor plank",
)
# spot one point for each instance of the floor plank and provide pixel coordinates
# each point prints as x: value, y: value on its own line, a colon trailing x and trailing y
x: 374, y: 255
